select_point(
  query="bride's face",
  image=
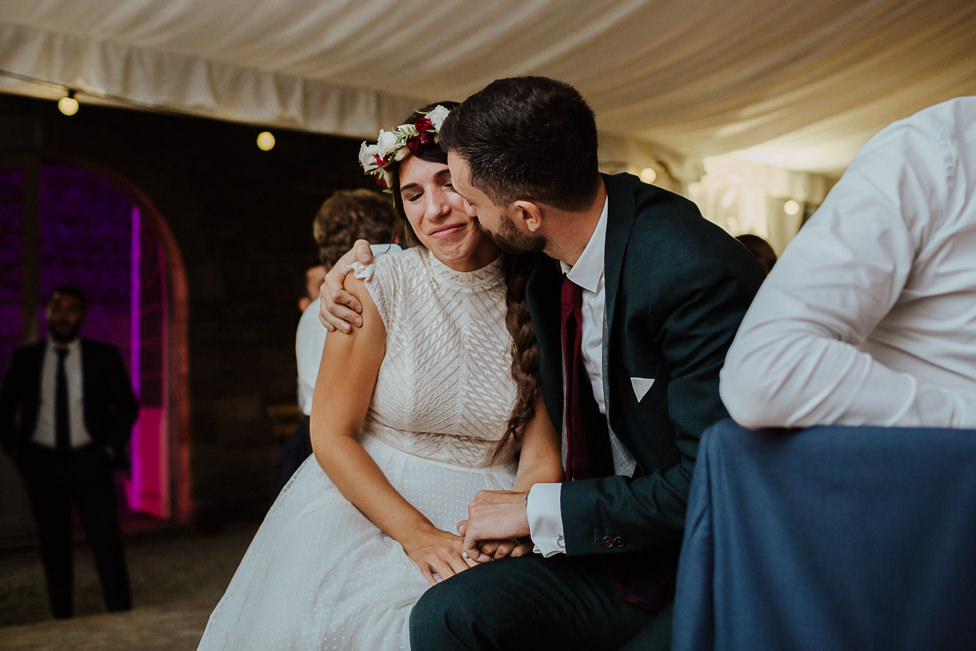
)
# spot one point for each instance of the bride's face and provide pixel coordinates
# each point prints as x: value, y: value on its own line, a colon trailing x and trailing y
x: 436, y: 213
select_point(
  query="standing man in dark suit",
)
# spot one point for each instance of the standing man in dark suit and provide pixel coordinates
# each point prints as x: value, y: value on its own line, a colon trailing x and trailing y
x: 653, y: 294
x: 66, y: 415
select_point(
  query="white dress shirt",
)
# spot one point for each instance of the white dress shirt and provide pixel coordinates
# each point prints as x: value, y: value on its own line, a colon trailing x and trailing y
x: 309, y: 342
x: 44, y: 431
x: 869, y: 317
x: 543, y: 503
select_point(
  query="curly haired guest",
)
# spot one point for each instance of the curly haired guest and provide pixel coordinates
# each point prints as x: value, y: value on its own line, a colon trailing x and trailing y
x: 343, y: 218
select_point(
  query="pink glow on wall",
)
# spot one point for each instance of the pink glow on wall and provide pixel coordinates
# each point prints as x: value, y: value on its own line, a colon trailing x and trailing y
x: 135, y: 257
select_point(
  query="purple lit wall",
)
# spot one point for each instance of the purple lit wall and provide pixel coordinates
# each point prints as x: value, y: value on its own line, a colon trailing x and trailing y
x: 86, y: 240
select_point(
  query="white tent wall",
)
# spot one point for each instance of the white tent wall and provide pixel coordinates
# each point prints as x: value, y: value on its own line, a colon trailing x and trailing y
x: 791, y: 84
x: 742, y: 196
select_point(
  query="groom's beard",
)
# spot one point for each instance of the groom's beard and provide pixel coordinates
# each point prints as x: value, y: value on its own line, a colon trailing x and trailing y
x: 511, y: 240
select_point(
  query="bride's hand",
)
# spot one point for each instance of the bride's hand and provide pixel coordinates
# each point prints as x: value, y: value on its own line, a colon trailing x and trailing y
x: 436, y: 551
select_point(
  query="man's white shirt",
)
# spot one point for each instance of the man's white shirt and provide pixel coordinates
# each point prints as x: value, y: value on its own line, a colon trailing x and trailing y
x: 869, y: 316
x: 543, y: 500
x: 44, y: 432
x: 309, y: 342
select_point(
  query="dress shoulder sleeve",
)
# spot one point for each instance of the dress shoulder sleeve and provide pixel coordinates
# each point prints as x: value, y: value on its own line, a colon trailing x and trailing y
x: 382, y: 277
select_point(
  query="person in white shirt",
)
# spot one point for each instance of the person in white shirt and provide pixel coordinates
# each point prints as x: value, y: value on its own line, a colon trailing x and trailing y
x: 869, y: 316
x: 344, y: 217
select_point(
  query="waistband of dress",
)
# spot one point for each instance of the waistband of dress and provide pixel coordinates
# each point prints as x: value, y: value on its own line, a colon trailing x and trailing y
x: 471, y: 461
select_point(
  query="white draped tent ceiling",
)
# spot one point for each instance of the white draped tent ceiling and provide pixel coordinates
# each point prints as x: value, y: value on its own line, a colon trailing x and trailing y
x: 797, y: 84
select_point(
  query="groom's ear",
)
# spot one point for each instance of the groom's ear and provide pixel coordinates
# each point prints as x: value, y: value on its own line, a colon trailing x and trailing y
x: 528, y: 213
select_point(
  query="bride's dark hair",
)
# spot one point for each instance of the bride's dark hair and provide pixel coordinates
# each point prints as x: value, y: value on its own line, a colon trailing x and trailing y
x: 525, y: 352
x: 525, y: 349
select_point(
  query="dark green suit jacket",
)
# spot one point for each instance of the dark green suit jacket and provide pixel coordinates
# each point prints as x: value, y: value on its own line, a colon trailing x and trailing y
x: 677, y: 287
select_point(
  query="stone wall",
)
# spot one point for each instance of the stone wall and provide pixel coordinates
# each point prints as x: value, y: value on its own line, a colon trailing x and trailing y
x: 241, y: 219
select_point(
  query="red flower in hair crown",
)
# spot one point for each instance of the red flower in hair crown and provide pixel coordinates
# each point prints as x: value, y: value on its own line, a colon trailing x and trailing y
x: 393, y: 146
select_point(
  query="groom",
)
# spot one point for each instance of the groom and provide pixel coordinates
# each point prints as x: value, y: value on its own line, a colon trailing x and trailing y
x: 651, y: 295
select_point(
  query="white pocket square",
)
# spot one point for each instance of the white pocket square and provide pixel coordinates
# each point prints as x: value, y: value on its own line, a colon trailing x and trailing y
x: 641, y: 386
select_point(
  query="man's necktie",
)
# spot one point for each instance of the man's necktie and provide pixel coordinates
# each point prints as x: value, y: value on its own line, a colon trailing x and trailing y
x: 587, y: 439
x: 637, y: 576
x: 62, y: 422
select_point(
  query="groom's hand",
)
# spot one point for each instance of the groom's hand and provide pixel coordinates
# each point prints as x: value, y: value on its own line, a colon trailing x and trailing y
x: 497, y: 549
x: 494, y: 516
x: 339, y: 308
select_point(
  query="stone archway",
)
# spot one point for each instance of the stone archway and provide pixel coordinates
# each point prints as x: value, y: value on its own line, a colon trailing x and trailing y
x: 88, y: 225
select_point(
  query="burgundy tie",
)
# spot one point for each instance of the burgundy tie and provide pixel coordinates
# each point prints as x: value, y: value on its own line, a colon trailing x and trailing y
x: 637, y: 576
x: 587, y: 440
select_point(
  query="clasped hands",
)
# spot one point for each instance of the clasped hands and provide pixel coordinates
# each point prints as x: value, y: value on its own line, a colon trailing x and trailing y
x: 497, y: 526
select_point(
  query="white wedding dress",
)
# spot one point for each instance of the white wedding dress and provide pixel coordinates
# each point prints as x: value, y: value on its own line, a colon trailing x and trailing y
x: 319, y: 574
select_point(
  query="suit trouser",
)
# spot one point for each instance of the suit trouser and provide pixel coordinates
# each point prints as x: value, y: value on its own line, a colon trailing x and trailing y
x: 532, y: 603
x: 82, y: 477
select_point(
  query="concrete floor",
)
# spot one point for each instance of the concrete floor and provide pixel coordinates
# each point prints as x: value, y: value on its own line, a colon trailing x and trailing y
x: 177, y: 578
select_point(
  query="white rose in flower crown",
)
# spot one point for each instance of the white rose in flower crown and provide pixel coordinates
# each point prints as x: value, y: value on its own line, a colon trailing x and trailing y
x: 387, y: 142
x: 437, y: 116
x: 367, y: 156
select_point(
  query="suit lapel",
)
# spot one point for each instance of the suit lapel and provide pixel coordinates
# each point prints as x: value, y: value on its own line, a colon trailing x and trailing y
x: 620, y: 219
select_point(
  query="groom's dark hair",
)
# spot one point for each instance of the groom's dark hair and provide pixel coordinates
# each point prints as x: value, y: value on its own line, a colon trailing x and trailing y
x: 527, y: 138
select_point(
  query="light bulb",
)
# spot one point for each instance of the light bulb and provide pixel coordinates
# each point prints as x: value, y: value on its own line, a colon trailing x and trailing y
x: 648, y: 175
x: 266, y: 141
x: 68, y: 104
x: 791, y: 207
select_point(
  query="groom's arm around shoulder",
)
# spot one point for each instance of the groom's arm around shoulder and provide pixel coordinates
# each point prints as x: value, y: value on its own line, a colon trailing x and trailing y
x: 684, y: 287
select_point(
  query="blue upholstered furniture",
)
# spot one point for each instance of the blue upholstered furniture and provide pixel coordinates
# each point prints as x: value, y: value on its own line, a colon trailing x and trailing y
x: 830, y: 538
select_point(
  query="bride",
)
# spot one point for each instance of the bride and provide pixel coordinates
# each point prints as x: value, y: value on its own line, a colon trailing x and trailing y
x: 412, y: 414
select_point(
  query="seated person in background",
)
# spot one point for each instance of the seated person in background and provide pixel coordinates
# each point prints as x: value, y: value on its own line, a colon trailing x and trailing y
x: 413, y: 414
x: 759, y: 248
x: 870, y: 315
x: 314, y: 277
x: 342, y: 219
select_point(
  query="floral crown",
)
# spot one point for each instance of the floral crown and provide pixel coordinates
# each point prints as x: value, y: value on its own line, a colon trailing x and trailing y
x: 393, y: 146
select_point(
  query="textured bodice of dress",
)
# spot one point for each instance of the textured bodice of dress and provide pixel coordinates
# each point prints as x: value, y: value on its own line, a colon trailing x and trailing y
x: 441, y: 393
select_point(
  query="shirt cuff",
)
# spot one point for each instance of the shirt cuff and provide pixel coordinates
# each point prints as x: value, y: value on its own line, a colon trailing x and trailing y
x: 545, y: 519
